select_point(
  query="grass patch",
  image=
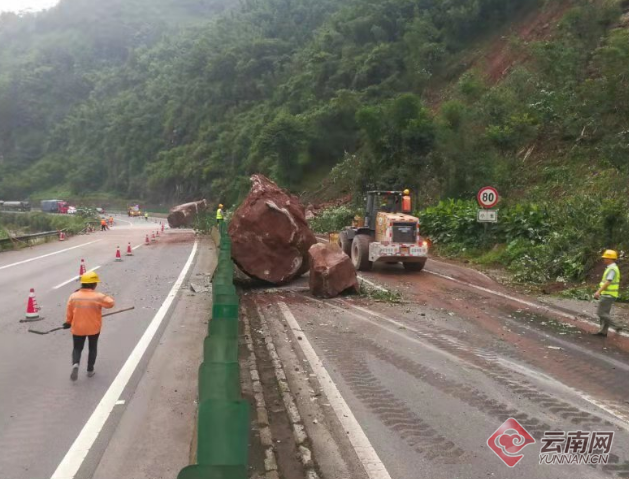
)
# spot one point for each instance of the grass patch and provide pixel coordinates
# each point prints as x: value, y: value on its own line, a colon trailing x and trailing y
x: 493, y: 257
x: 379, y: 295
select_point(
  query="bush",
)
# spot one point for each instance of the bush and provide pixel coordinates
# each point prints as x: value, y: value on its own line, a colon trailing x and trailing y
x: 41, y: 222
x: 332, y: 219
x: 452, y: 222
x: 544, y: 242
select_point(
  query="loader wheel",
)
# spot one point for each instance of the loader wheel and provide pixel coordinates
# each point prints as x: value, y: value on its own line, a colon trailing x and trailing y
x: 345, y: 244
x: 360, y: 253
x: 415, y: 267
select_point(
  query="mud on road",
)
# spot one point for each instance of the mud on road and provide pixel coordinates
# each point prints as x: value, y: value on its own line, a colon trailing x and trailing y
x: 431, y: 378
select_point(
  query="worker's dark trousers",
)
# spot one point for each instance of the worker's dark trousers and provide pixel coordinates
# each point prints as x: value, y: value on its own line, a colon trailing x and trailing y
x: 605, y: 304
x: 79, y: 342
x: 103, y: 227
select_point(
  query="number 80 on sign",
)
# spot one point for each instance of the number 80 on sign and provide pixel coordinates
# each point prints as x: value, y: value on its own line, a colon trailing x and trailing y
x: 488, y: 197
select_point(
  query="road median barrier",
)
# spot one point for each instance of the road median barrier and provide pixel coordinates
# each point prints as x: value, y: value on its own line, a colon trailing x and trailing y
x: 223, y: 416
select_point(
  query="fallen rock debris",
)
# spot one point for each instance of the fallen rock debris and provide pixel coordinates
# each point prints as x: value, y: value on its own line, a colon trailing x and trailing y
x: 184, y: 215
x: 270, y: 235
x: 331, y: 271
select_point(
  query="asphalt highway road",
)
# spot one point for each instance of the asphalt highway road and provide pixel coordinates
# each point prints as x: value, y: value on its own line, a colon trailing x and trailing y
x: 430, y: 379
x: 41, y: 411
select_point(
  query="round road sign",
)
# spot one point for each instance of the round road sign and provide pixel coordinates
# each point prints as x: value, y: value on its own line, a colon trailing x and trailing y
x: 488, y: 197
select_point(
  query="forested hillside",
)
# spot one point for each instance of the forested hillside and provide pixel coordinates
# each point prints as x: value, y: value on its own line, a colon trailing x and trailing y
x: 166, y: 101
x: 52, y: 63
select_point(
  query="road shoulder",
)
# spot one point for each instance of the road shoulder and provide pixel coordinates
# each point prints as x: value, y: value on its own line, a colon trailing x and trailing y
x: 153, y: 439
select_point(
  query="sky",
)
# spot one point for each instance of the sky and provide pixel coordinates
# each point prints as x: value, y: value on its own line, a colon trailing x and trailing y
x: 26, y: 5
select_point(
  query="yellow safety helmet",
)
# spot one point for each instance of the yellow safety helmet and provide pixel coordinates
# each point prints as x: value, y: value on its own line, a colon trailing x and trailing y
x: 220, y: 206
x: 90, y: 278
x: 610, y: 254
x: 407, y: 192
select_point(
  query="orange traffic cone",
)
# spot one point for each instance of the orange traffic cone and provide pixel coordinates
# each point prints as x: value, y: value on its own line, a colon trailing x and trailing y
x: 162, y: 227
x: 157, y: 233
x: 32, y: 308
x: 82, y: 269
x: 153, y: 237
x: 147, y: 242
x: 129, y: 250
x: 62, y: 236
x: 118, y: 257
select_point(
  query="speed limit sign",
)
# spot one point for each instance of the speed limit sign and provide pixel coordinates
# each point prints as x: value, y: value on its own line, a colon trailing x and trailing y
x: 487, y: 197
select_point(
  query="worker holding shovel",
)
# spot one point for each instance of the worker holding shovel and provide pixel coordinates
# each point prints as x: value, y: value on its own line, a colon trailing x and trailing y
x: 84, y: 316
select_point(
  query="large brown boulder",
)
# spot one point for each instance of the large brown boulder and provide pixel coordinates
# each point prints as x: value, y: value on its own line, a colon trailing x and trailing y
x: 331, y: 271
x: 184, y: 215
x: 270, y: 235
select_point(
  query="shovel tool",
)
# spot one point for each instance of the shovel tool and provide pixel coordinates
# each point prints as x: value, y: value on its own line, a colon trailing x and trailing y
x: 34, y: 331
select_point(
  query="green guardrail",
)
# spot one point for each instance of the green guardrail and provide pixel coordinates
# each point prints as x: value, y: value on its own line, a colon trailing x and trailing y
x: 224, y: 417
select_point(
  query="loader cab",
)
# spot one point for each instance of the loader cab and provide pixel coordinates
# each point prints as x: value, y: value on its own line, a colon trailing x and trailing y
x: 381, y: 201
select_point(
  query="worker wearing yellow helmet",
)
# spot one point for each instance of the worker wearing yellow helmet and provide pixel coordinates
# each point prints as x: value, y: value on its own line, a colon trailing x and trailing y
x: 84, y: 317
x: 219, y: 214
x: 607, y: 293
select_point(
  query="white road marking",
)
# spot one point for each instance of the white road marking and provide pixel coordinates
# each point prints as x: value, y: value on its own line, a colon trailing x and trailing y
x: 524, y: 302
x: 136, y: 247
x: 46, y: 255
x: 609, y: 410
x: 433, y: 261
x: 120, y: 402
x: 74, y: 279
x: 619, y: 419
x: 398, y: 331
x: 364, y: 450
x: 120, y: 219
x: 74, y: 458
x: 372, y: 284
x: 496, y: 293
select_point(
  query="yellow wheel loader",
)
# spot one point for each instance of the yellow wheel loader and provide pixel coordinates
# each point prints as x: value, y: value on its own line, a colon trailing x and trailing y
x: 387, y: 234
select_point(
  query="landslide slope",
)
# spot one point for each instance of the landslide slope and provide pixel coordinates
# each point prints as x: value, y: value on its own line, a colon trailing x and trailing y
x: 328, y: 97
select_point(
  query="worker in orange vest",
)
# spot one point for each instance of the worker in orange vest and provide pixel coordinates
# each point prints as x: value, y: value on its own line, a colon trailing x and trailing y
x: 111, y: 221
x: 84, y: 317
x: 406, y: 202
x: 103, y: 225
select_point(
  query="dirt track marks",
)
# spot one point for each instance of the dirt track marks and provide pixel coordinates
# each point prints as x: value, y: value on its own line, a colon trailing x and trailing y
x: 416, y: 432
x: 397, y: 417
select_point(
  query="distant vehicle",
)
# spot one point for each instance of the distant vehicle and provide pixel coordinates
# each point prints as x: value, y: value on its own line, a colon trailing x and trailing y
x: 54, y: 206
x: 100, y: 211
x: 134, y: 211
x: 71, y: 210
x: 15, y: 206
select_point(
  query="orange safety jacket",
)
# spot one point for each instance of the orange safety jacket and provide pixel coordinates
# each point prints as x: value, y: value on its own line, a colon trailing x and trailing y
x: 103, y: 223
x: 84, y: 311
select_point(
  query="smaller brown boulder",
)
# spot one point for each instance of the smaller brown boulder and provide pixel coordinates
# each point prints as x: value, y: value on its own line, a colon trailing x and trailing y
x: 331, y: 271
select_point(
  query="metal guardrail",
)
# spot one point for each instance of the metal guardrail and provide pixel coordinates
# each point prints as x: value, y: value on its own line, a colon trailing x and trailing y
x: 223, y: 419
x: 25, y: 238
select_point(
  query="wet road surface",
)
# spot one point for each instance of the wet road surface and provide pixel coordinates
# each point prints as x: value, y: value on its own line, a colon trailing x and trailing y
x: 41, y: 411
x: 430, y: 379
